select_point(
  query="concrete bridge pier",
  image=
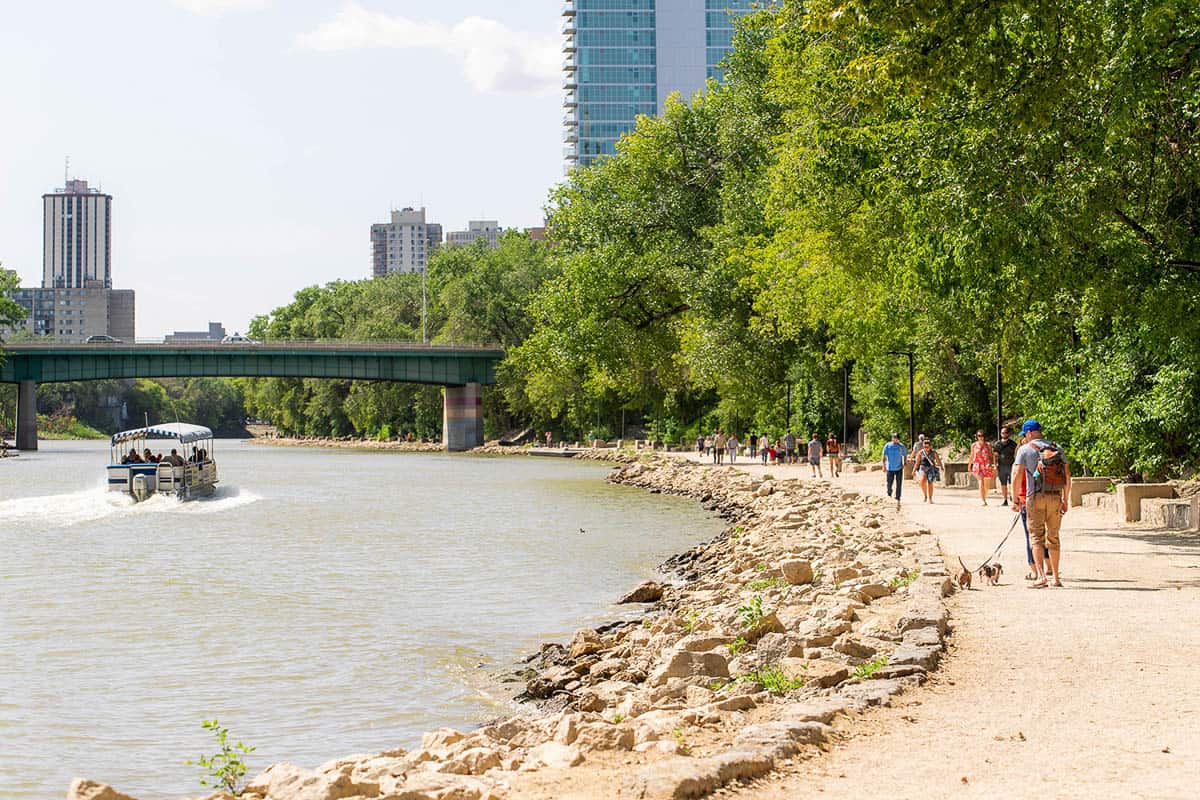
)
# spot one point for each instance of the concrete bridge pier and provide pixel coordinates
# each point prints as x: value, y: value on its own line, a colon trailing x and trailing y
x: 462, y: 417
x: 27, y: 415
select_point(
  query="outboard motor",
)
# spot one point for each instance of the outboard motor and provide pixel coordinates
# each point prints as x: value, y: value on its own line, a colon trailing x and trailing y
x: 141, y: 487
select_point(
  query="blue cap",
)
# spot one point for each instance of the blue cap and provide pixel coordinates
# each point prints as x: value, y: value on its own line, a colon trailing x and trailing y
x: 1030, y: 425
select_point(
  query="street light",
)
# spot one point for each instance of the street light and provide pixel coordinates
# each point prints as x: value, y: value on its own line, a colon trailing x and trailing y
x: 912, y: 422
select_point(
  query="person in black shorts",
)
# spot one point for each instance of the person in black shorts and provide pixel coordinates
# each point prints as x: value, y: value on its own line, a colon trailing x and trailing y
x: 1006, y: 450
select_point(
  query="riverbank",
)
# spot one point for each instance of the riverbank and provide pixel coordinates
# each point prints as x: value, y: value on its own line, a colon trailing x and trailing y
x: 815, y: 604
x: 348, y: 444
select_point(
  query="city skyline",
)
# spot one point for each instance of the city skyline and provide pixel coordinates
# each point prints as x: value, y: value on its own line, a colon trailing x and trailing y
x: 246, y: 141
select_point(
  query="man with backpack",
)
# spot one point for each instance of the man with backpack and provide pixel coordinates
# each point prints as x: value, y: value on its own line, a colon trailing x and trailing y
x: 1042, y: 487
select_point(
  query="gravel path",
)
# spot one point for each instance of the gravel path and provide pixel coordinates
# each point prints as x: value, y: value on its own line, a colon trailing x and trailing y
x: 1086, y: 691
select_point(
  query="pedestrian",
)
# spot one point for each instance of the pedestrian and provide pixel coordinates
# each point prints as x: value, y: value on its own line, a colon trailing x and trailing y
x: 982, y: 460
x: 833, y: 449
x: 894, y: 456
x: 929, y: 468
x: 732, y: 443
x: 789, y: 448
x: 700, y: 445
x: 814, y: 455
x: 549, y: 439
x: 1042, y: 488
x: 752, y: 443
x: 707, y: 445
x: 719, y: 447
x: 763, y: 445
x: 1006, y: 450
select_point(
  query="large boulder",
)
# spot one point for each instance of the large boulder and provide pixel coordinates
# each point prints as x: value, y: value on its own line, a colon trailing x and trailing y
x: 647, y: 592
x: 84, y: 789
x: 684, y: 664
x: 586, y: 642
x: 797, y: 571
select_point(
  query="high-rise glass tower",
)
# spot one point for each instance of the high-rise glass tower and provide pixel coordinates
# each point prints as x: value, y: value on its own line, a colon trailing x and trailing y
x: 625, y: 57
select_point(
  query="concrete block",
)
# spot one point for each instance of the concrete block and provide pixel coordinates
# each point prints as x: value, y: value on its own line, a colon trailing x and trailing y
x: 1105, y: 501
x: 952, y: 469
x: 1082, y: 486
x: 1174, y: 515
x: 1131, y: 495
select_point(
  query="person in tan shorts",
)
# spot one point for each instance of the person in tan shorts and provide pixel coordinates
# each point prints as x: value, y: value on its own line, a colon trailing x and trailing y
x: 1044, y: 509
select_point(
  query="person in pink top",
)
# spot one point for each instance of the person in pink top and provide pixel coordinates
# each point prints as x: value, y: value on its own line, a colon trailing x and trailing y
x: 983, y: 461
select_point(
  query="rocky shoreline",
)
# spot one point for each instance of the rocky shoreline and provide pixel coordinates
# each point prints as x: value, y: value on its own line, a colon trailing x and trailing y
x: 813, y: 605
x: 349, y: 444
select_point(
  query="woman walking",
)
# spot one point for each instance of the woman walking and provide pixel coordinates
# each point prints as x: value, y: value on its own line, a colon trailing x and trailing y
x: 929, y: 468
x: 764, y: 448
x: 733, y: 444
x: 983, y: 461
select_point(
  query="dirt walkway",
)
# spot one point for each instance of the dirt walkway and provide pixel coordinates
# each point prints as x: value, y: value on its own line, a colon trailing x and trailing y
x: 1087, y: 691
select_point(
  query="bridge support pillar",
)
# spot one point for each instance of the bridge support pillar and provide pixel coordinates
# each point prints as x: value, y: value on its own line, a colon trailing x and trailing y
x: 27, y: 415
x: 462, y: 417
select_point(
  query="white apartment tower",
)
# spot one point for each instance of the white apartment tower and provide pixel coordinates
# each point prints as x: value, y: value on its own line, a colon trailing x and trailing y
x: 404, y: 244
x: 77, y: 238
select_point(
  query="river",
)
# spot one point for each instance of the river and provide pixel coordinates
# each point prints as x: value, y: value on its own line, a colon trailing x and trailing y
x: 324, y: 602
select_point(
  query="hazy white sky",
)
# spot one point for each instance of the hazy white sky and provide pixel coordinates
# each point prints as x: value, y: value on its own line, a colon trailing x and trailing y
x: 250, y: 144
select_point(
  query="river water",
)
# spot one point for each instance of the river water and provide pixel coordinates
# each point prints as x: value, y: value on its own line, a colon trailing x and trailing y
x: 322, y: 603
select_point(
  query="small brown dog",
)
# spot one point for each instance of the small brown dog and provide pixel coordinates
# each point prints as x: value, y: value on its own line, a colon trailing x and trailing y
x: 990, y: 574
x: 964, y: 577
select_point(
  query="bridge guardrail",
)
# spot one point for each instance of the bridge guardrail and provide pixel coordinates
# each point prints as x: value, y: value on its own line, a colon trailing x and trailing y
x: 308, y: 344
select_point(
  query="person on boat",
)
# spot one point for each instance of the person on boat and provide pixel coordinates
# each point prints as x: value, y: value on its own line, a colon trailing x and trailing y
x: 132, y: 458
x: 147, y: 456
x: 201, y: 456
x: 175, y: 459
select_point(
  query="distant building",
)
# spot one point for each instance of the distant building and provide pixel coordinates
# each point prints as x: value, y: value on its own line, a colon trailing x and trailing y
x: 215, y: 333
x: 537, y: 234
x: 77, y: 241
x: 625, y: 57
x: 72, y: 315
x: 405, y: 244
x: 76, y: 299
x: 486, y: 230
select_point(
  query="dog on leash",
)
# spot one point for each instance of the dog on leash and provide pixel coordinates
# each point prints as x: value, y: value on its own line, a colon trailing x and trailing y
x: 964, y: 577
x: 990, y: 574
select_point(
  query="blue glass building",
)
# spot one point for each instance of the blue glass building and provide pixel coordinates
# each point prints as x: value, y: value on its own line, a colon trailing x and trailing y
x: 625, y: 57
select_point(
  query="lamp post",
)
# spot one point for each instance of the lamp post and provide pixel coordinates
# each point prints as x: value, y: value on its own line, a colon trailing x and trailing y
x: 912, y: 420
x: 999, y: 400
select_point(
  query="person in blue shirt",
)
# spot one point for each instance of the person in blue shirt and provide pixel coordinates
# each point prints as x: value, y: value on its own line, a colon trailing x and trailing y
x: 894, y: 454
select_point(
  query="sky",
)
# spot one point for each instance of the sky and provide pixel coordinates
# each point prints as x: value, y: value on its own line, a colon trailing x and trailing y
x: 250, y: 144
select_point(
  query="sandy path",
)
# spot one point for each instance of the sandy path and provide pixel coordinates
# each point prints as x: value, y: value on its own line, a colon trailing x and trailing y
x: 1085, y: 691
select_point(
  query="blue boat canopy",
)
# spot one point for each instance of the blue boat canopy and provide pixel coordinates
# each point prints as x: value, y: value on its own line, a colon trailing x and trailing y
x: 185, y: 433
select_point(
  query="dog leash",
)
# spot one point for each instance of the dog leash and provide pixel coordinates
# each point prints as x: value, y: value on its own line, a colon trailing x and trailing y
x: 996, y: 552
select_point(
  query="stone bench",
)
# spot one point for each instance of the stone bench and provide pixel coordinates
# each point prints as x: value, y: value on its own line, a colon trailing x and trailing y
x: 1131, y: 495
x: 952, y: 469
x: 1105, y: 501
x: 1083, y: 486
x: 1174, y: 515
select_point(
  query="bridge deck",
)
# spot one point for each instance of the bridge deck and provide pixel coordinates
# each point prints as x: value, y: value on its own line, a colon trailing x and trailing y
x: 445, y: 365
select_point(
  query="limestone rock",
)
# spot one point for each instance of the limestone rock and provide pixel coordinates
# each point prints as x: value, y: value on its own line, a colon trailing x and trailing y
x: 647, y: 592
x: 875, y: 590
x: 585, y: 642
x: 854, y: 647
x: 797, y: 571
x: 437, y: 786
x: 684, y: 663
x: 818, y: 672
x: 288, y: 782
x: 603, y: 736
x: 924, y: 656
x: 83, y: 789
x: 774, y: 647
x: 553, y: 755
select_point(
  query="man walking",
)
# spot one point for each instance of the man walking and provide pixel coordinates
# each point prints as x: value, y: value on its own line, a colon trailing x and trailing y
x: 719, y: 447
x: 894, y: 454
x: 815, y: 451
x: 1006, y: 451
x: 789, y: 448
x: 1042, y: 487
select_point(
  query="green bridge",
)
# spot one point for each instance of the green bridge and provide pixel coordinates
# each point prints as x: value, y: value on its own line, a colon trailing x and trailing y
x: 461, y: 369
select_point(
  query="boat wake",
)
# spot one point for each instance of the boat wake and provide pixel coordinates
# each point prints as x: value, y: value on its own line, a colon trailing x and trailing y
x: 90, y: 505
